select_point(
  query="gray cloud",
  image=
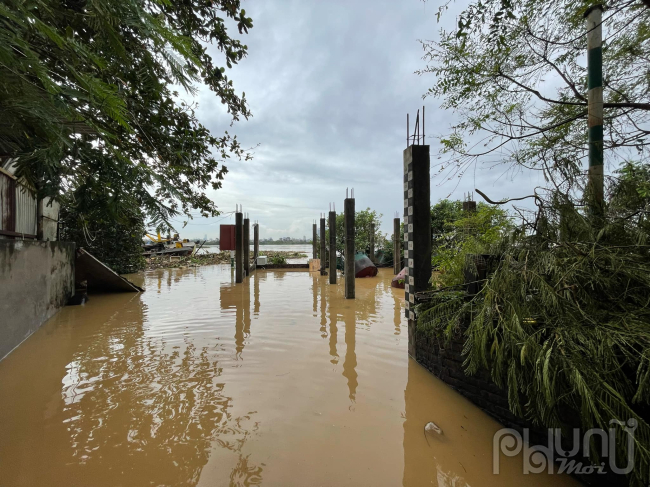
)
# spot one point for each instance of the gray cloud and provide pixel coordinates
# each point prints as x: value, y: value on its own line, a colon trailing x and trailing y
x: 329, y: 85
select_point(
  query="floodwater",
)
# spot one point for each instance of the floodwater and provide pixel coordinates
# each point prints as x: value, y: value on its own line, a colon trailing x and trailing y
x: 279, y: 381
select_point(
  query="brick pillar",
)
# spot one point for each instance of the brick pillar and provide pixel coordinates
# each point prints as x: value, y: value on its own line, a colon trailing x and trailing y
x: 417, y: 230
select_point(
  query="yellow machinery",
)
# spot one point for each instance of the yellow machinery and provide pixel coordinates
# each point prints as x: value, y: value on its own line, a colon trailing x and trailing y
x: 159, y: 239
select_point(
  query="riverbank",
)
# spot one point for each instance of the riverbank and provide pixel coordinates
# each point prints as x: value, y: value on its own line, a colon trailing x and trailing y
x: 164, y: 262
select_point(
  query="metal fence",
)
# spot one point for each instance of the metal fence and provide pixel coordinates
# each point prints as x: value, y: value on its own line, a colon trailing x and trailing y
x: 18, y: 209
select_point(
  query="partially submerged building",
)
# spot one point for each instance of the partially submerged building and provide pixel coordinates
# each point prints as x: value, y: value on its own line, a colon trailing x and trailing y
x: 36, y: 270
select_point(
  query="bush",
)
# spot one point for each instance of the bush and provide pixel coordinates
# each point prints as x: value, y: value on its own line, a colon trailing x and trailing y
x: 278, y: 260
x: 563, y: 323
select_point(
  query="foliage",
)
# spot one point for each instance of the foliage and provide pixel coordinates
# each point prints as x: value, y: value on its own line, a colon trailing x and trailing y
x: 86, y: 92
x: 278, y: 259
x: 563, y: 322
x: 515, y: 75
x: 114, y: 240
x: 466, y: 233
x: 362, y: 221
x: 443, y: 214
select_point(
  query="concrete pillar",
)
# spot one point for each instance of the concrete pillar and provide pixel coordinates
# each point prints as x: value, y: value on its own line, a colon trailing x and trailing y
x: 469, y: 206
x: 323, y: 250
x: 332, y: 218
x: 417, y: 230
x: 315, y: 252
x: 256, y: 242
x: 397, y: 247
x: 372, y: 243
x: 239, y: 248
x: 247, y: 246
x: 348, y: 206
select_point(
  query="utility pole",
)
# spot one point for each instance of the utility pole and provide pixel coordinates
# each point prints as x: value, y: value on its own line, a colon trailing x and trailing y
x: 595, y: 187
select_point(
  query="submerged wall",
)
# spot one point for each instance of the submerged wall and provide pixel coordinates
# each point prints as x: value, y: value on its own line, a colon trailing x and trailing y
x: 36, y: 279
x: 445, y: 361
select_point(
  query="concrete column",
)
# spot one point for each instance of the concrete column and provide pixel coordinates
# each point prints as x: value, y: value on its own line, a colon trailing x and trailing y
x: 348, y: 206
x: 323, y: 249
x: 256, y: 242
x: 469, y: 206
x: 397, y: 247
x: 247, y: 246
x: 315, y: 252
x: 239, y: 247
x: 417, y: 230
x: 332, y: 218
x: 372, y: 243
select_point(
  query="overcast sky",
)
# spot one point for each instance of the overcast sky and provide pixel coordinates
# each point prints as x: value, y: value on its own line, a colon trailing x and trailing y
x: 329, y: 84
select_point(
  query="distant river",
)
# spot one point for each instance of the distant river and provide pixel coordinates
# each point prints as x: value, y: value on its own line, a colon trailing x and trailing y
x: 304, y: 248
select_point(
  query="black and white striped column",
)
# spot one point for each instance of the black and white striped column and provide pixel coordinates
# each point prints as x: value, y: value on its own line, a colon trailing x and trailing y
x: 417, y: 230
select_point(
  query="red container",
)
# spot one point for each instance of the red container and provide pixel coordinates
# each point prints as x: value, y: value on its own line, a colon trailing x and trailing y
x: 226, y: 237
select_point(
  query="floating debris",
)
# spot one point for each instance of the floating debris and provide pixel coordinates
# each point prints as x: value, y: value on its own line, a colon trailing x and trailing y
x: 431, y: 427
x: 210, y: 258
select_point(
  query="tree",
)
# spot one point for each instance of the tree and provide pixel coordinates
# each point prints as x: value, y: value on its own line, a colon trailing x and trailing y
x: 362, y: 221
x: 116, y: 241
x: 443, y: 214
x: 562, y: 322
x: 514, y: 73
x: 88, y: 101
x: 463, y: 233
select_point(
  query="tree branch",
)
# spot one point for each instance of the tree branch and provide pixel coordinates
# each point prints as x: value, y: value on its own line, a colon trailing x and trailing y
x: 485, y: 197
x: 637, y: 106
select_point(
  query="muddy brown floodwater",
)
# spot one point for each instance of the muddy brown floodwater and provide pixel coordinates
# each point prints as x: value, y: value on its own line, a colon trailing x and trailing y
x: 278, y: 381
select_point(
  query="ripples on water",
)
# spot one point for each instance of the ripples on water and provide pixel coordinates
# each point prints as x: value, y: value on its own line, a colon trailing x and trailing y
x: 198, y: 381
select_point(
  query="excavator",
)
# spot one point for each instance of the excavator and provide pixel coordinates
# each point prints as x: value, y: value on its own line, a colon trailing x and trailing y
x: 169, y: 246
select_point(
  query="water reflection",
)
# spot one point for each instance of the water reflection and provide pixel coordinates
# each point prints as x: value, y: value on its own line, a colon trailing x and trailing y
x: 350, y: 361
x: 237, y: 296
x: 157, y: 406
x: 314, y: 292
x: 397, y: 314
x: 256, y: 292
x: 333, y: 335
x: 323, y: 306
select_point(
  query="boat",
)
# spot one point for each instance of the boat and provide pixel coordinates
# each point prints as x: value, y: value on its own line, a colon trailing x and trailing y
x: 399, y: 280
x: 363, y: 266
